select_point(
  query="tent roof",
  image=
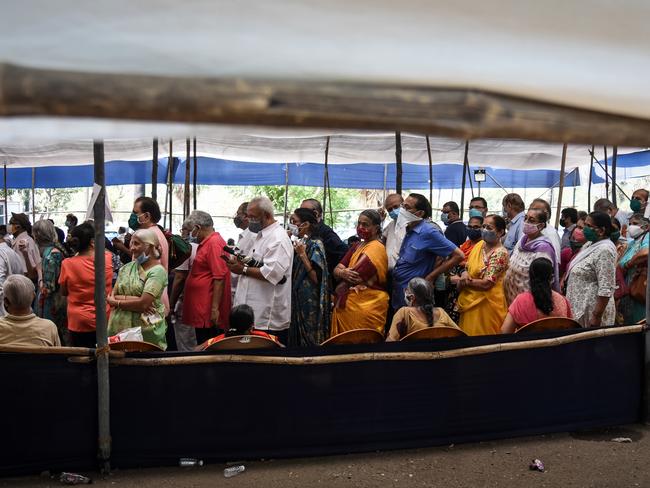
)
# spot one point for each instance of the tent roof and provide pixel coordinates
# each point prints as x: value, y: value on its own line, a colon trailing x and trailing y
x: 579, y: 53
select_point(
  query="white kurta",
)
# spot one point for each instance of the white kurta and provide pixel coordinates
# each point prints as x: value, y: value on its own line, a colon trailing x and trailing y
x: 394, y: 237
x: 270, y: 300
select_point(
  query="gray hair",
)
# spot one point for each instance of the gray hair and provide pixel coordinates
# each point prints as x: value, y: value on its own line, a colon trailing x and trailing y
x: 148, y: 236
x: 264, y: 204
x: 19, y: 291
x: 44, y: 232
x: 200, y: 218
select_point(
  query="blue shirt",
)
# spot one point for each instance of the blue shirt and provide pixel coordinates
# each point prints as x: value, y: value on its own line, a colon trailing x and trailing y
x: 514, y: 232
x: 417, y: 257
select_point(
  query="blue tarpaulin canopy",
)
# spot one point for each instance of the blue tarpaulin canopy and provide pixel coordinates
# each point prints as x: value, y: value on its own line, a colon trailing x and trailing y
x: 212, y: 171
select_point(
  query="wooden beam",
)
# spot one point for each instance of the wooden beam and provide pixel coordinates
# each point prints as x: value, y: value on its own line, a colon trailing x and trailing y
x: 451, y: 112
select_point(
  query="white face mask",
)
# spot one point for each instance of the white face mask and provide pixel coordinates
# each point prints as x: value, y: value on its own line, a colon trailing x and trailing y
x: 634, y: 231
x: 405, y: 217
x: 407, y: 298
x: 293, y: 228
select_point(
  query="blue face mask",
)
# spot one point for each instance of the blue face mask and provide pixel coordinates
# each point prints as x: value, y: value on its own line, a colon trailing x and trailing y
x: 394, y: 213
x: 444, y: 217
x: 475, y: 213
x: 142, y: 258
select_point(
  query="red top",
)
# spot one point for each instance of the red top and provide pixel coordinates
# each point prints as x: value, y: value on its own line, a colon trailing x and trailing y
x: 78, y: 276
x: 207, y: 267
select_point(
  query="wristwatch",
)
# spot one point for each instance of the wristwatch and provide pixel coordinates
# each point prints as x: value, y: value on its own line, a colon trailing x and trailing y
x: 245, y: 270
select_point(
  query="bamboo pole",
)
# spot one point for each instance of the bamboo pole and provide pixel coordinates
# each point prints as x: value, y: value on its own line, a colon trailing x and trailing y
x: 4, y: 177
x: 465, y: 170
x: 286, y: 195
x: 614, y: 158
x: 68, y: 351
x: 170, y: 183
x: 196, y: 168
x: 326, y: 175
x: 33, y: 195
x: 209, y: 358
x: 103, y: 387
x: 398, y: 162
x: 591, y: 172
x: 430, y: 170
x: 186, y: 193
x: 154, y: 170
x: 450, y: 112
x: 618, y: 187
x: 561, y: 191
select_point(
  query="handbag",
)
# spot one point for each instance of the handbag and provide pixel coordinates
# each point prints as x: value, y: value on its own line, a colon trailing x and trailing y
x: 639, y: 284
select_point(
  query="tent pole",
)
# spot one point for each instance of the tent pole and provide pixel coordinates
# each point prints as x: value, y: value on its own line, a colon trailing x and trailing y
x: 103, y: 387
x: 618, y: 187
x: 33, y: 195
x: 154, y: 170
x: 496, y: 182
x: 430, y: 169
x: 398, y: 162
x: 385, y: 180
x: 286, y: 195
x: 560, y: 193
x: 196, y: 167
x: 462, y: 192
x: 4, y: 174
x: 606, y: 173
x: 326, y: 176
x: 646, y: 354
x: 186, y: 194
x: 170, y: 183
x: 591, y: 171
x: 614, y: 157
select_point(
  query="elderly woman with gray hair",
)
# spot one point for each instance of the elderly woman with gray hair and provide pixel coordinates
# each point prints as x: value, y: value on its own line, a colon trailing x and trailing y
x: 50, y: 303
x: 136, y: 299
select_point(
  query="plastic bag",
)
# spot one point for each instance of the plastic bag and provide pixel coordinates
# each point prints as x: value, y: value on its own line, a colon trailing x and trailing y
x: 132, y: 334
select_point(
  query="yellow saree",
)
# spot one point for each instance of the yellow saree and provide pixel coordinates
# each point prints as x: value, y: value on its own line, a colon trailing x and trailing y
x: 366, y: 305
x: 482, y: 311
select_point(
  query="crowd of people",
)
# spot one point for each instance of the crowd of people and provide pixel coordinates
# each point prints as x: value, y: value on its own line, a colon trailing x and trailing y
x: 300, y: 283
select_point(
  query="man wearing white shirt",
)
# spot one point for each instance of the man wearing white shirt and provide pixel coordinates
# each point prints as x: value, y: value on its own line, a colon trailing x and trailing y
x: 549, y: 231
x: 266, y: 289
x: 393, y: 236
x: 10, y: 263
x: 245, y: 240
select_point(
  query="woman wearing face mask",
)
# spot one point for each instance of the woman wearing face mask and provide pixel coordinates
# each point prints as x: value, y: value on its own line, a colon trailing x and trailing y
x: 633, y: 266
x: 532, y: 246
x: 136, y: 297
x: 420, y: 311
x: 361, y: 297
x: 481, y: 303
x: 540, y: 302
x: 577, y: 239
x: 474, y: 236
x: 77, y: 282
x: 591, y: 275
x: 310, y: 299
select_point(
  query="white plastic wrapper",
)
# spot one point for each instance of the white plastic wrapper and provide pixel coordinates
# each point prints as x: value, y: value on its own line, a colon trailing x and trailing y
x: 133, y: 334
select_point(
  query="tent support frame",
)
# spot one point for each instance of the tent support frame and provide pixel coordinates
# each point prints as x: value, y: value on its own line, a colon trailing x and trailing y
x: 196, y: 167
x: 186, y: 189
x: 561, y: 192
x: 398, y: 162
x: 614, y: 158
x: 154, y: 170
x: 430, y: 170
x: 465, y: 170
x: 102, y: 351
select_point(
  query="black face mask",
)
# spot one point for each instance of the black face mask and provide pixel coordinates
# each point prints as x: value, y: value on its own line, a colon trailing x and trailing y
x: 238, y: 221
x: 474, y: 234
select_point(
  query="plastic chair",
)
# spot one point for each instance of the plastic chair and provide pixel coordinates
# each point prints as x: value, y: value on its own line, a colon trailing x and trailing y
x: 242, y: 342
x: 134, y: 346
x: 355, y: 336
x: 547, y: 324
x: 433, y: 333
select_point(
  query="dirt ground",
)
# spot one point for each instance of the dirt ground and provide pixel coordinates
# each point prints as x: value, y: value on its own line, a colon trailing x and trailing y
x: 584, y: 459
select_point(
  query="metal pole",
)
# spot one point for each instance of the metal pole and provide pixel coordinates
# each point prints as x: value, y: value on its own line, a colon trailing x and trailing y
x: 618, y: 187
x: 196, y: 166
x: 646, y: 354
x: 591, y: 172
x: 33, y: 195
x: 465, y: 169
x: 398, y: 162
x: 559, y: 196
x: 103, y: 387
x: 186, y: 194
x: 614, y: 157
x: 385, y: 180
x: 286, y: 195
x: 154, y: 171
x: 326, y: 176
x: 606, y: 173
x: 170, y: 183
x: 4, y: 174
x: 430, y: 170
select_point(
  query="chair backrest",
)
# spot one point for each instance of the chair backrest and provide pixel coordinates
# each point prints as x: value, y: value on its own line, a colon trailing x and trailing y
x: 433, y: 333
x: 134, y: 346
x: 548, y: 323
x: 356, y: 336
x: 243, y: 342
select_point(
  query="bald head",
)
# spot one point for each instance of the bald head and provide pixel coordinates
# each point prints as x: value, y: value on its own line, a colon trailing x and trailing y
x: 393, y: 201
